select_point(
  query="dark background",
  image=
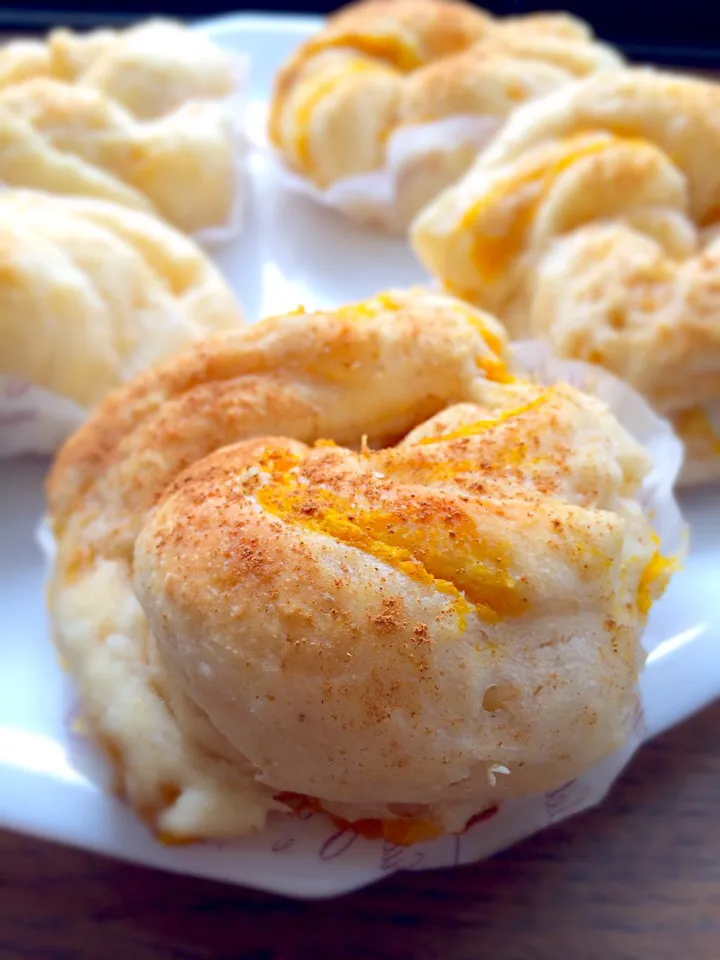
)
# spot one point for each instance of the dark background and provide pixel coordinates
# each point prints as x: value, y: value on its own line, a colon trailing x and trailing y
x: 682, y: 32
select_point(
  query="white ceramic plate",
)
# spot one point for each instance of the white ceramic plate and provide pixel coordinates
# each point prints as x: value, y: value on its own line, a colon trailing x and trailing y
x: 51, y: 784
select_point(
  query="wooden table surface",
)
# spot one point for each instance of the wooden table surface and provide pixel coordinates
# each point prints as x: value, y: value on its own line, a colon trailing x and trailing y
x: 637, y: 878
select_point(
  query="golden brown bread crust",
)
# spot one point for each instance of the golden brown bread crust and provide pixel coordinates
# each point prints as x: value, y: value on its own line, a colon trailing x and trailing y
x: 381, y: 65
x: 249, y: 608
x: 591, y: 221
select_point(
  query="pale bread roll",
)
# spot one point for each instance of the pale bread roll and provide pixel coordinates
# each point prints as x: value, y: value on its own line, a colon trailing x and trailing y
x: 91, y: 293
x: 442, y: 611
x: 592, y: 221
x: 151, y: 68
x: 72, y: 139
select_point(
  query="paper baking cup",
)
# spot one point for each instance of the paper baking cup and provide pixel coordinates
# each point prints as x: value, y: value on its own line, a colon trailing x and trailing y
x: 33, y: 421
x: 376, y: 198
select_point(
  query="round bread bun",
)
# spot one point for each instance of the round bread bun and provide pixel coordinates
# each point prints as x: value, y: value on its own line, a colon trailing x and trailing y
x: 347, y: 559
x: 381, y: 66
x: 91, y: 293
x: 592, y: 222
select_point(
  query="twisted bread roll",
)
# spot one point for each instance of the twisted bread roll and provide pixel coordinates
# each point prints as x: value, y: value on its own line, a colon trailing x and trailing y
x: 91, y: 293
x: 22, y: 60
x: 151, y: 68
x: 591, y: 221
x: 381, y: 66
x: 403, y: 633
x: 71, y: 139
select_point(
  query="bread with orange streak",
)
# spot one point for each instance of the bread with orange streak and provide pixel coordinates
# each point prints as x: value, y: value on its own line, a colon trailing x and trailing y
x: 380, y: 67
x: 592, y: 221
x: 350, y: 560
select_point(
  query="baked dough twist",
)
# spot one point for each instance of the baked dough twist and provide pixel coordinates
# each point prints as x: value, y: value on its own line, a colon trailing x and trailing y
x: 442, y: 610
x: 91, y: 293
x: 151, y: 68
x: 592, y: 221
x: 380, y: 66
x: 73, y: 139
